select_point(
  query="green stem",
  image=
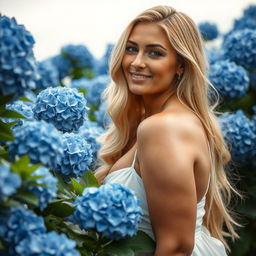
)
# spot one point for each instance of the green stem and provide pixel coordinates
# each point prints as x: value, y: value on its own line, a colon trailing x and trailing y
x: 98, y: 245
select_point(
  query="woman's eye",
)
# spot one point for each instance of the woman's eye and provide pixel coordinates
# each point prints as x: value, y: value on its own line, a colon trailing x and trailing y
x: 156, y: 53
x: 131, y: 49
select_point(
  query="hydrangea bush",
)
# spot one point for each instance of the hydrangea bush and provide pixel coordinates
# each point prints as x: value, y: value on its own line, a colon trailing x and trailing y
x: 46, y: 193
x: 9, y: 182
x: 40, y: 140
x: 49, y: 75
x: 18, y: 223
x: 91, y: 131
x: 240, y: 47
x: 230, y: 80
x: 209, y: 31
x: 111, y: 209
x: 20, y: 72
x: 47, y: 244
x: 64, y: 107
x: 79, y: 55
x: 240, y: 134
x: 77, y: 156
x: 97, y: 86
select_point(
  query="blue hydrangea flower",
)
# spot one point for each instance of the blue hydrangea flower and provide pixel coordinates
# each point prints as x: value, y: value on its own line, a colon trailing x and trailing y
x: 77, y: 156
x: 62, y: 64
x: 250, y: 11
x: 49, y: 75
x: 79, y: 55
x: 243, y: 23
x: 9, y: 181
x: 102, y: 65
x: 213, y: 55
x: 22, y: 107
x: 40, y: 140
x: 18, y: 67
x: 231, y: 80
x: 17, y: 224
x: 101, y: 115
x: 45, y: 194
x: 209, y: 31
x: 91, y: 131
x: 64, y: 107
x: 111, y: 209
x: 82, y: 83
x: 97, y: 86
x: 240, y: 134
x: 48, y: 244
x: 240, y: 47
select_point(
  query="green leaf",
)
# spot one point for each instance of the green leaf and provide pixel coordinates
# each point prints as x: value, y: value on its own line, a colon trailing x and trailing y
x: 141, y: 243
x: 89, y: 180
x: 59, y: 208
x: 4, y: 154
x: 2, y: 247
x: 63, y: 187
x: 6, y: 99
x: 28, y: 197
x: 82, y: 90
x: 77, y: 187
x: 6, y: 133
x: 25, y: 99
x: 118, y: 251
x: 23, y: 167
x: 6, y: 113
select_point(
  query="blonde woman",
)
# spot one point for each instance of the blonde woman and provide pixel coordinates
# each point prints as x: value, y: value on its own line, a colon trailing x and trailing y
x: 164, y: 141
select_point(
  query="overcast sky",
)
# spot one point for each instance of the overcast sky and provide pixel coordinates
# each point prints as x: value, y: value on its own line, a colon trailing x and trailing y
x: 55, y: 23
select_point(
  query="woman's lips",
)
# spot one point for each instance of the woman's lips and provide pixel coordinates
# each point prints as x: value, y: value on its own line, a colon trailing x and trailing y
x: 139, y: 77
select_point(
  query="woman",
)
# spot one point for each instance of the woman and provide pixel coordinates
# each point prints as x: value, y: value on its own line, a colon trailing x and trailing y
x: 164, y: 141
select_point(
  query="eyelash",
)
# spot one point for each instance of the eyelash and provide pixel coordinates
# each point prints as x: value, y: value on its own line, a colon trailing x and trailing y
x: 131, y: 50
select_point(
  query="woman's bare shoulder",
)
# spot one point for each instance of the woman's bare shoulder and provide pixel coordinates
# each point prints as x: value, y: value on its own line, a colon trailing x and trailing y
x: 185, y: 124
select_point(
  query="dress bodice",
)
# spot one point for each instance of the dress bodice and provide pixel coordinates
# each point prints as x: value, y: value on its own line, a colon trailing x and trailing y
x: 205, y: 244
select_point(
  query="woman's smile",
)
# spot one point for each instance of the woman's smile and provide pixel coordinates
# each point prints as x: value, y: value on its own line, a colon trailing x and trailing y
x: 139, y: 78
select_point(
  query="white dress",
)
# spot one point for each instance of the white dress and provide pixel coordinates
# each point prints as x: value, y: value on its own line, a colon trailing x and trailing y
x: 205, y: 244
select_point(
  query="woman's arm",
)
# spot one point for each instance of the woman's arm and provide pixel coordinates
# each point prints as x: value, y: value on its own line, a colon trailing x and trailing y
x: 166, y: 153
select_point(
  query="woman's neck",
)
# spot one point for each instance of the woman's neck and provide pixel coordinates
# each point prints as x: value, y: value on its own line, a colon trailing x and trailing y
x: 154, y: 104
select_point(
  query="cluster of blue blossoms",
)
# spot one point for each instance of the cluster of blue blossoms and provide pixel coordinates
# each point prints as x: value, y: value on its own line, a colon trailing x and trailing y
x: 40, y: 140
x: 62, y: 64
x: 25, y: 233
x: 101, y: 66
x: 64, y: 107
x: 20, y: 72
x: 240, y: 133
x: 46, y: 193
x: 209, y: 31
x: 77, y: 156
x: 240, y: 47
x: 91, y: 131
x: 9, y: 181
x: 49, y: 75
x: 79, y: 55
x: 230, y: 80
x: 111, y: 209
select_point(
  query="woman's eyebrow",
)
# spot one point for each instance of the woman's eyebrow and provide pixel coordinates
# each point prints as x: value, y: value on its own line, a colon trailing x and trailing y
x: 148, y: 45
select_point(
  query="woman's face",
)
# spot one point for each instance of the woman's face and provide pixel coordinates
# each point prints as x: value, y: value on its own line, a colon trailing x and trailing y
x: 149, y: 63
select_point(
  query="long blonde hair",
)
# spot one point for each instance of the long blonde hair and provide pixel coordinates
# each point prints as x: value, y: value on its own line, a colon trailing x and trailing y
x: 125, y: 110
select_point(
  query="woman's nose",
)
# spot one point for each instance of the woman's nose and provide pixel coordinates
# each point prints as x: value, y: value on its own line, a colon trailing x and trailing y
x: 138, y: 61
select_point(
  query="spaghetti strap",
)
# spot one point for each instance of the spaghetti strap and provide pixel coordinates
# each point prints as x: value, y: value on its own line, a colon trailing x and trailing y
x: 134, y: 158
x: 210, y: 169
